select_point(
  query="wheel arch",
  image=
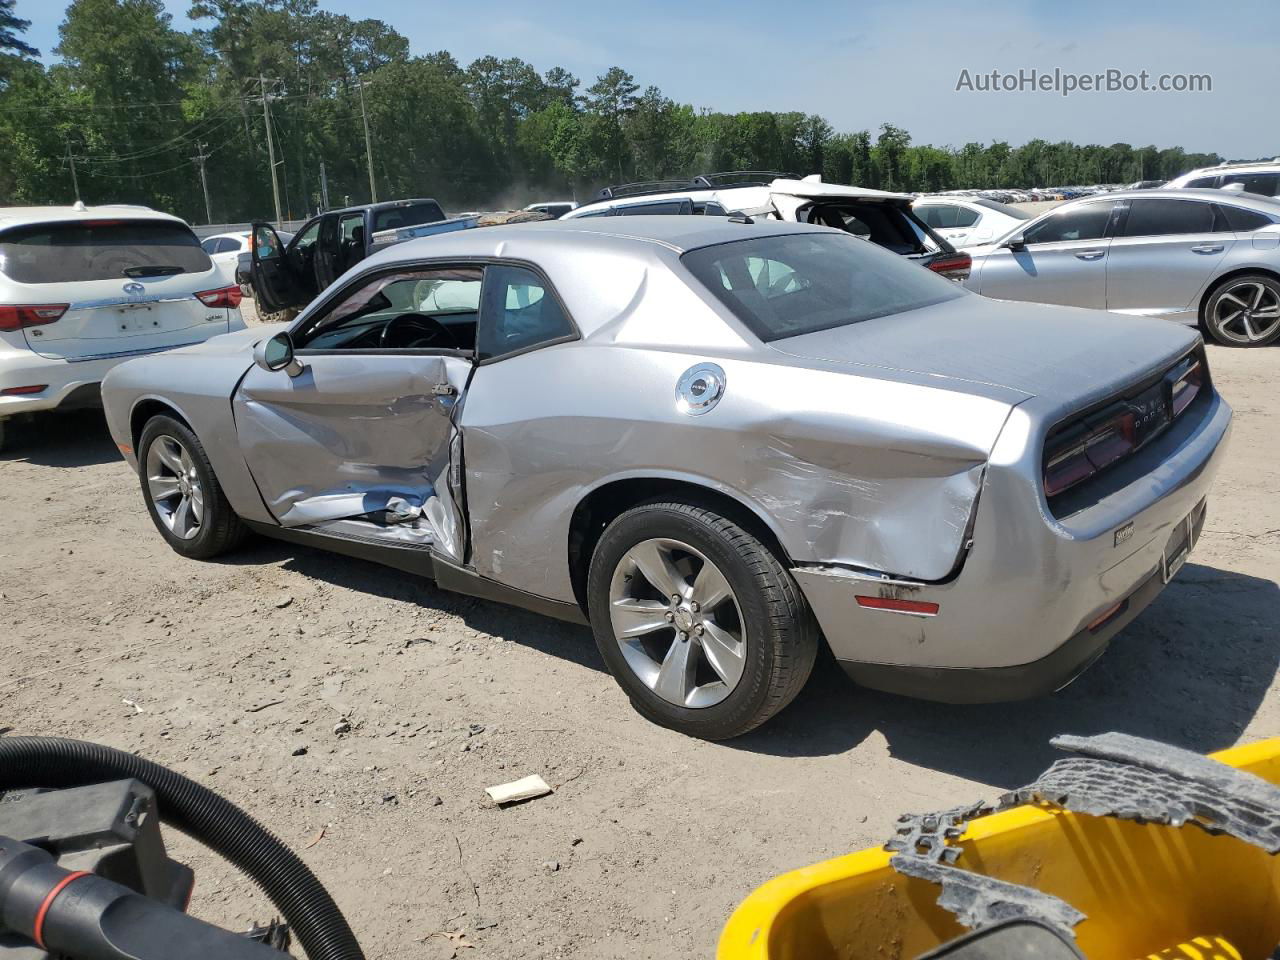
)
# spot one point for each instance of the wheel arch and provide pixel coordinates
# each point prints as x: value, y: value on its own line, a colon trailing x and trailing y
x: 1234, y: 274
x: 601, y: 505
x: 148, y: 408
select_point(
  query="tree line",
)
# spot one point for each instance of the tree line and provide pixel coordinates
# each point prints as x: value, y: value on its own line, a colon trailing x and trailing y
x: 133, y: 109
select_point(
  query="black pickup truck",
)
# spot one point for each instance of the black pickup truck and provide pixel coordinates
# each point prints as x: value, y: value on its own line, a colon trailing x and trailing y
x: 288, y: 276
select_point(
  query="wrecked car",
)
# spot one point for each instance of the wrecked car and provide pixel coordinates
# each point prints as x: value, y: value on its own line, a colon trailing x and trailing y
x: 720, y: 444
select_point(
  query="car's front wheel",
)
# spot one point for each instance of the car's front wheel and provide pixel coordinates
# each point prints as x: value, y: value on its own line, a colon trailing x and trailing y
x: 1244, y: 311
x: 697, y: 620
x: 182, y: 493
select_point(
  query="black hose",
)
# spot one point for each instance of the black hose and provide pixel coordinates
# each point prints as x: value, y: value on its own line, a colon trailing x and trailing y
x: 52, y: 762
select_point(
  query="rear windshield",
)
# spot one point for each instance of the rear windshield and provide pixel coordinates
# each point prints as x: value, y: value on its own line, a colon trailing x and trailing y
x: 412, y: 215
x: 1009, y: 211
x: 100, y: 250
x: 785, y: 286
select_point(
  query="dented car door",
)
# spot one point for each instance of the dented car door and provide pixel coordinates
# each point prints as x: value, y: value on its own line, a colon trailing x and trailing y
x: 357, y: 440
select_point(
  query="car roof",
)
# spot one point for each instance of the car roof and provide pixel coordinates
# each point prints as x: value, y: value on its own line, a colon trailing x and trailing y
x: 22, y: 216
x: 1269, y: 205
x: 804, y: 189
x: 817, y: 189
x: 383, y: 205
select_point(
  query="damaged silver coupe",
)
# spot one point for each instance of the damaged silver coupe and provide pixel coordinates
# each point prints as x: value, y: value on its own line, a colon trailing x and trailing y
x: 720, y: 443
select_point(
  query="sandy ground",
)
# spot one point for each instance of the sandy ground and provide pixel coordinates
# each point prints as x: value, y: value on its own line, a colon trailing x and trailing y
x: 226, y: 670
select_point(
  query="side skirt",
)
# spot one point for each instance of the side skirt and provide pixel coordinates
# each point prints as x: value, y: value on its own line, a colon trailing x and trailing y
x: 425, y: 563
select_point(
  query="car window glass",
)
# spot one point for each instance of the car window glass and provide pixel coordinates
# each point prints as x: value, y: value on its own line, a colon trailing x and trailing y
x: 410, y: 215
x: 1243, y: 221
x: 965, y: 217
x: 415, y: 310
x: 211, y: 245
x: 663, y: 208
x: 1086, y: 222
x: 517, y: 313
x: 606, y: 212
x: 785, y: 286
x: 308, y: 237
x: 1201, y: 182
x: 72, y: 251
x: 1160, y: 217
x: 1263, y: 184
x: 934, y: 214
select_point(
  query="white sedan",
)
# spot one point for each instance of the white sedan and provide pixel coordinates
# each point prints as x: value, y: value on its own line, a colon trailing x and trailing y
x: 968, y: 221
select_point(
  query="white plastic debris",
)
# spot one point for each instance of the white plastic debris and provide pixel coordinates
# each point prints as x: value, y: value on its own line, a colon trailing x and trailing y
x: 524, y: 789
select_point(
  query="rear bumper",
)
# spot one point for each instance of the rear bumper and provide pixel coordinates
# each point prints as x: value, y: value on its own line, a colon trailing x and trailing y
x: 1015, y: 622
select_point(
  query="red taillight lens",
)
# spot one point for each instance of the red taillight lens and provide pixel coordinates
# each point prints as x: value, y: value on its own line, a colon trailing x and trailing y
x: 17, y: 316
x: 1186, y: 387
x: 222, y: 297
x: 955, y: 267
x: 22, y: 391
x: 894, y: 605
x: 1086, y: 451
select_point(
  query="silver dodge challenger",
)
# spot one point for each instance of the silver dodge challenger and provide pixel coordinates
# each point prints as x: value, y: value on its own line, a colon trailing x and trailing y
x: 720, y: 443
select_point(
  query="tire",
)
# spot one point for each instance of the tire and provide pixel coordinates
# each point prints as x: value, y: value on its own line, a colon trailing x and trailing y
x: 1243, y: 311
x: 170, y: 456
x: 746, y: 654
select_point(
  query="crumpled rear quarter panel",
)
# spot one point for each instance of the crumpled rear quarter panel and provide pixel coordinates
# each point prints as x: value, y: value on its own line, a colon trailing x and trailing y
x: 843, y: 469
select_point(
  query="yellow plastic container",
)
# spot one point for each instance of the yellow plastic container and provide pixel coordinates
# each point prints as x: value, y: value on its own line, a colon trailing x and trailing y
x: 1144, y: 888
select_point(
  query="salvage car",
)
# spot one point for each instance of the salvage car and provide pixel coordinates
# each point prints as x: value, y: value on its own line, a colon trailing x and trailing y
x: 721, y: 444
x: 84, y: 288
x: 879, y: 216
x: 1193, y: 256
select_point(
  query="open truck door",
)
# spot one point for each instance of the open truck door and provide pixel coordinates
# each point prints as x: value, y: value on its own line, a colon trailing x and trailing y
x: 275, y: 285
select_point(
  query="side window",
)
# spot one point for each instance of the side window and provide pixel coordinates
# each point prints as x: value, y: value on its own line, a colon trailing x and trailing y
x: 1244, y: 221
x: 933, y: 214
x: 517, y: 312
x: 1264, y: 184
x: 710, y: 209
x: 1163, y: 217
x: 210, y: 245
x: 1087, y: 222
x: 662, y: 208
x: 966, y: 217
x: 307, y: 238
x: 1201, y: 182
x: 412, y: 310
x: 605, y: 212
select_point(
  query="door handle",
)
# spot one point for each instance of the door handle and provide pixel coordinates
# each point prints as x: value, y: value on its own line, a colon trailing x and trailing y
x: 1091, y: 254
x: 1208, y: 248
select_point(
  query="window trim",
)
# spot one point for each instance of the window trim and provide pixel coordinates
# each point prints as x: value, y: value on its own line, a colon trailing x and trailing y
x: 323, y: 306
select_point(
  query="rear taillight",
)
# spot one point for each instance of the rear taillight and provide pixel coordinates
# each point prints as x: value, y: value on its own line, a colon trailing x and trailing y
x: 222, y: 297
x: 17, y: 316
x: 1185, y: 387
x: 24, y: 391
x: 952, y: 266
x: 1084, y: 451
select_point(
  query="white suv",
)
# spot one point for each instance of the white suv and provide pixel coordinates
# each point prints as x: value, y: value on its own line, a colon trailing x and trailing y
x: 84, y: 288
x: 1260, y: 178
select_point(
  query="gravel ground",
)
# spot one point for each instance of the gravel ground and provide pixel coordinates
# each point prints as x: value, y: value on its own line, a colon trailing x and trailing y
x: 238, y: 673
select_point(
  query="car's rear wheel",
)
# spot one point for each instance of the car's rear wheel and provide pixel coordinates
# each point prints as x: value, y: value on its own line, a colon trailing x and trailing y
x: 182, y: 493
x: 1244, y: 311
x: 697, y: 620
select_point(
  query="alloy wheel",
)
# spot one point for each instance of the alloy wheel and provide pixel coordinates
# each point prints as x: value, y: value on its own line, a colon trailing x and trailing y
x: 174, y: 487
x: 678, y: 623
x: 1247, y: 312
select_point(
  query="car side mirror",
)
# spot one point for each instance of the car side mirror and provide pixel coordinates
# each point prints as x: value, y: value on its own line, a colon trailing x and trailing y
x: 276, y: 353
x: 1233, y: 187
x: 1016, y: 243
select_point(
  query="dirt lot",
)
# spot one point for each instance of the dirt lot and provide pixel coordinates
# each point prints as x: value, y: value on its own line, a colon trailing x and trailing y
x: 224, y: 670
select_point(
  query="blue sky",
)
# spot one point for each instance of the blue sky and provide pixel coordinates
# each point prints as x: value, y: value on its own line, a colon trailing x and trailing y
x: 861, y: 64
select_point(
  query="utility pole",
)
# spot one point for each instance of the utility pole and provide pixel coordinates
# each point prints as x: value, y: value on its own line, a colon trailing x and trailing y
x: 199, y: 158
x: 324, y: 188
x: 271, y: 151
x: 368, y: 146
x: 75, y: 183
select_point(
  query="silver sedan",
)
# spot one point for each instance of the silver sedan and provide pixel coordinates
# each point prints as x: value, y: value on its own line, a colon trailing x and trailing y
x: 1195, y: 256
x: 720, y: 443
